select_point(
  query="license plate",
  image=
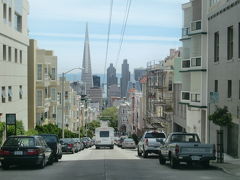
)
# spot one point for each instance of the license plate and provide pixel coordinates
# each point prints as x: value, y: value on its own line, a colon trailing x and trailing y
x: 195, y: 158
x: 18, y: 153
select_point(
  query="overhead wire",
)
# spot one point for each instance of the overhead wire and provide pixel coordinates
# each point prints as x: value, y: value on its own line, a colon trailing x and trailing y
x: 108, y: 37
x: 125, y: 20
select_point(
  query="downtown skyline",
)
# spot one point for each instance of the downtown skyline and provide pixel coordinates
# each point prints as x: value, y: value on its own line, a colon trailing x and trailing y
x: 63, y: 31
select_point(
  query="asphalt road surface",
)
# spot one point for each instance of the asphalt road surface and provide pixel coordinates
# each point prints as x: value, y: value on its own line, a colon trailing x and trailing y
x: 107, y: 164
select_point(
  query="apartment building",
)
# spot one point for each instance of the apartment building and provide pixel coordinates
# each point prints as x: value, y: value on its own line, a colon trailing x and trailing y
x: 46, y: 87
x: 71, y: 107
x: 194, y: 66
x: 223, y: 67
x: 13, y: 59
x: 123, y: 118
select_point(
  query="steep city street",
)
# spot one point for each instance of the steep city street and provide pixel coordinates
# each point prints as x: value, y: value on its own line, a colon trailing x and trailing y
x: 106, y: 164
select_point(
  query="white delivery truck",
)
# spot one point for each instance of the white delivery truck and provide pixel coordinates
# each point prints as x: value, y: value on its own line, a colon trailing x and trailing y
x: 104, y: 137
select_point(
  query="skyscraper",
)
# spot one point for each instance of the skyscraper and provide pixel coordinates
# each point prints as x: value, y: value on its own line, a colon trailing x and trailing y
x: 96, y: 81
x: 139, y: 73
x: 125, y: 78
x: 86, y: 64
x: 111, y: 75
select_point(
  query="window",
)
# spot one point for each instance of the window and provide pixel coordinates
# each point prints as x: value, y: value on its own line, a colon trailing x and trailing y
x: 230, y: 43
x: 20, y: 92
x: 16, y: 55
x: 104, y: 133
x: 4, y: 52
x: 216, y: 47
x: 10, y: 15
x: 185, y: 96
x: 195, y: 97
x: 66, y: 94
x: 20, y: 58
x: 239, y: 89
x: 195, y: 62
x: 229, y: 95
x: 46, y: 92
x: 10, y: 93
x: 39, y: 98
x: 39, y: 72
x: 53, y: 94
x: 53, y: 75
x: 239, y: 40
x: 9, y: 54
x: 18, y: 22
x: 216, y: 86
x: 185, y: 63
x: 4, y: 11
x: 3, y: 95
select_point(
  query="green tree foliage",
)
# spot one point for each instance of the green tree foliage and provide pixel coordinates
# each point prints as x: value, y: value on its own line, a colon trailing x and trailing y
x: 91, y: 128
x: 19, y: 126
x: 54, y: 129
x: 221, y: 117
x: 31, y: 132
x: 2, y: 128
x: 113, y: 113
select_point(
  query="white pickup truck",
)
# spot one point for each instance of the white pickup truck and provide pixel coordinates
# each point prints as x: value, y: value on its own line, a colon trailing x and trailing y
x: 150, y: 142
x: 185, y: 147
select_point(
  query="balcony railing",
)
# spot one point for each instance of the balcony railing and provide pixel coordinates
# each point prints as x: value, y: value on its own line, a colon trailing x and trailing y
x: 196, y: 26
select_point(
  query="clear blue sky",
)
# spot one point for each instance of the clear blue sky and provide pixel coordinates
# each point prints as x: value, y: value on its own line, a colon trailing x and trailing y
x: 154, y: 26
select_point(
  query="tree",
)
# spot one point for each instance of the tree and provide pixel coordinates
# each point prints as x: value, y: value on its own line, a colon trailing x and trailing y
x: 19, y: 126
x: 113, y: 113
x: 91, y: 128
x: 221, y: 117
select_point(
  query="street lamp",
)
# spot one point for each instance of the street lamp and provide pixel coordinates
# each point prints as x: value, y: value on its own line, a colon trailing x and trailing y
x: 63, y: 74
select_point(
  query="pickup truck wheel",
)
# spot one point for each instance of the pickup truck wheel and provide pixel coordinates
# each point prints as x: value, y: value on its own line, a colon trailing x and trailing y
x: 145, y: 153
x: 139, y: 153
x: 173, y: 162
x: 162, y: 161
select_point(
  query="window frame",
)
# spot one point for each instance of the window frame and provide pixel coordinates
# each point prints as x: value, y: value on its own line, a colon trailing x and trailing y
x: 216, y: 46
x: 230, y: 43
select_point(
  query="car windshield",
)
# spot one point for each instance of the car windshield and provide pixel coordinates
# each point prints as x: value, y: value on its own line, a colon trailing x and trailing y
x: 20, y: 142
x: 155, y: 135
x: 104, y: 133
x: 186, y: 138
x: 50, y: 139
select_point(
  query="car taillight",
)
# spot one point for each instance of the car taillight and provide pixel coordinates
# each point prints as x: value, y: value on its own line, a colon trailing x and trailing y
x: 4, y: 152
x: 70, y: 145
x: 146, y: 141
x: 177, y: 149
x: 33, y: 152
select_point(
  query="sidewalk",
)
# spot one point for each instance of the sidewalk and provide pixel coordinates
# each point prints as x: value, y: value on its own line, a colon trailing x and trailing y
x: 230, y: 165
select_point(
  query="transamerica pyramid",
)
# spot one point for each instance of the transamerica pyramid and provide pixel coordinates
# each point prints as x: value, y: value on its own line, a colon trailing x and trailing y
x: 86, y: 64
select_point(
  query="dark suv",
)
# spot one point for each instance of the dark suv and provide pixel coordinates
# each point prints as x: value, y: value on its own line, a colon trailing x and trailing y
x: 53, y: 142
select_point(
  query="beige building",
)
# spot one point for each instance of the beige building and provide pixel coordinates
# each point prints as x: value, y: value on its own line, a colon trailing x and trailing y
x: 42, y: 86
x: 13, y: 59
x: 71, y: 107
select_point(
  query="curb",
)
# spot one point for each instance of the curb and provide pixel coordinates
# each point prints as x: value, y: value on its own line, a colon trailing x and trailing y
x: 225, y: 170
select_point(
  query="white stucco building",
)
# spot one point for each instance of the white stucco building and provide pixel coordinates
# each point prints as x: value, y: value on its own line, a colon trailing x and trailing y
x: 13, y: 59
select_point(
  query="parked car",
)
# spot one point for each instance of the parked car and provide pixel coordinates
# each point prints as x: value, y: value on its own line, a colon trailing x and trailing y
x: 185, y: 147
x: 52, y: 141
x: 78, y: 144
x: 120, y: 141
x: 150, y: 142
x: 128, y: 143
x: 68, y: 145
x: 25, y: 150
x: 87, y: 142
